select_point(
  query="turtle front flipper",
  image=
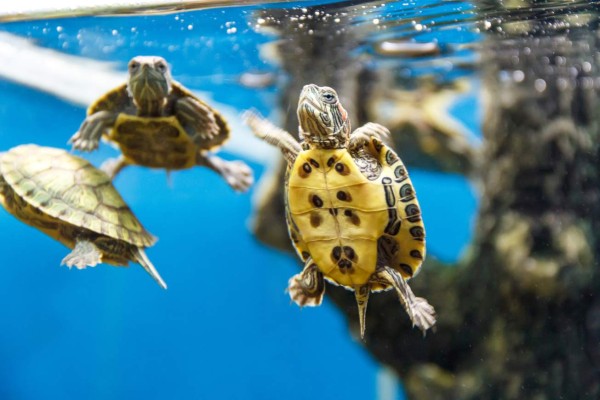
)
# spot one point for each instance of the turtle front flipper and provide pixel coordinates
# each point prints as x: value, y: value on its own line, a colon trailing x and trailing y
x: 237, y: 174
x: 91, y: 130
x: 362, y: 136
x: 84, y: 254
x: 199, y: 120
x: 265, y: 130
x: 421, y: 313
x: 308, y: 287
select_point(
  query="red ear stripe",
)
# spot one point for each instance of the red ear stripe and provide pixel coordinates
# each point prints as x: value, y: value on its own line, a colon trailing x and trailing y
x: 343, y: 111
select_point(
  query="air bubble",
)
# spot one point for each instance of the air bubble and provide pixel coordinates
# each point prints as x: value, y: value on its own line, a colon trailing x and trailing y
x: 562, y: 83
x: 540, y: 85
x: 518, y: 76
x: 573, y: 71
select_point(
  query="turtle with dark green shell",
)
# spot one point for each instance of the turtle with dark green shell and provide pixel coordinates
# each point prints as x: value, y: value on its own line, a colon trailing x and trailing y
x: 158, y: 123
x: 70, y: 200
x: 352, y: 211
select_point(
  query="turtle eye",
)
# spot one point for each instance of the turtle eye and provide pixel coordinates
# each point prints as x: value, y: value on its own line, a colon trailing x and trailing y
x: 134, y: 65
x: 161, y: 67
x: 328, y: 98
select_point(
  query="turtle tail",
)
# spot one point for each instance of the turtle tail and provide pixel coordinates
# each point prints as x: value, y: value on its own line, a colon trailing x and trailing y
x: 362, y: 298
x: 139, y: 256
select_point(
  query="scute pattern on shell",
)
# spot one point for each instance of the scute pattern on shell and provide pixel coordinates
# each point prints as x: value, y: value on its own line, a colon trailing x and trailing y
x: 156, y: 142
x: 348, y: 220
x: 69, y: 188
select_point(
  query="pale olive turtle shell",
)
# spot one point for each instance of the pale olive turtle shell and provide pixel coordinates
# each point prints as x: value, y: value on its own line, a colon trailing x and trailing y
x: 70, y: 189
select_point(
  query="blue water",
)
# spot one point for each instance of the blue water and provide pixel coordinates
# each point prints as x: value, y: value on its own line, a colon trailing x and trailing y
x: 224, y: 329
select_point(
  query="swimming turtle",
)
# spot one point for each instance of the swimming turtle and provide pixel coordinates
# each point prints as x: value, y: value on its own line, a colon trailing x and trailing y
x: 351, y: 209
x: 158, y: 123
x: 75, y: 203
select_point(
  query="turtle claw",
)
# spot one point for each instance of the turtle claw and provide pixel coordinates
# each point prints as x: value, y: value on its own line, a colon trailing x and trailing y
x: 307, y: 288
x: 358, y: 140
x: 420, y: 312
x: 209, y: 133
x: 88, y: 136
x: 363, y: 135
x: 83, y: 144
x: 300, y: 296
x: 84, y: 254
x: 423, y: 314
x: 238, y: 175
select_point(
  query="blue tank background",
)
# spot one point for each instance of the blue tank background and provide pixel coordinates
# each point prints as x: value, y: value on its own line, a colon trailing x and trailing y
x: 225, y: 328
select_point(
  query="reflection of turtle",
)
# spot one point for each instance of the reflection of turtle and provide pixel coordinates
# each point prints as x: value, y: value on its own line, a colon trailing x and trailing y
x: 67, y: 198
x: 158, y: 123
x: 351, y: 209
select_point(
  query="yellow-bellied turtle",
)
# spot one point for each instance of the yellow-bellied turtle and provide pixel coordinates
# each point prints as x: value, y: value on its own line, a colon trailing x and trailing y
x: 351, y: 209
x: 75, y: 203
x: 158, y: 123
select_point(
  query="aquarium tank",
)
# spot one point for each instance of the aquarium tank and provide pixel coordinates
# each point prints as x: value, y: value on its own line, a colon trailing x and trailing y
x: 492, y: 106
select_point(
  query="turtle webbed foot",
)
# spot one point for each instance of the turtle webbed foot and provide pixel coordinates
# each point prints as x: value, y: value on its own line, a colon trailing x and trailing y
x: 91, y: 130
x: 84, y: 254
x: 236, y: 173
x: 423, y: 314
x: 265, y: 130
x: 300, y: 295
x: 308, y: 287
x: 79, y: 142
x: 363, y: 135
x: 199, y: 117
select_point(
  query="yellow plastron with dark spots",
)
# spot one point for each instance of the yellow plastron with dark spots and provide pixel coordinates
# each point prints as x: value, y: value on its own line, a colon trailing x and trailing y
x: 343, y: 218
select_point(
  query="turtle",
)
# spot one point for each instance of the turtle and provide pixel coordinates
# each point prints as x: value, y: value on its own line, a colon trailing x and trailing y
x: 156, y: 122
x: 72, y: 201
x: 351, y: 209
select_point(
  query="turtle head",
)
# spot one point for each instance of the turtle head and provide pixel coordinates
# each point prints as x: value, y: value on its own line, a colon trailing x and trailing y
x: 149, y: 83
x: 324, y: 123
